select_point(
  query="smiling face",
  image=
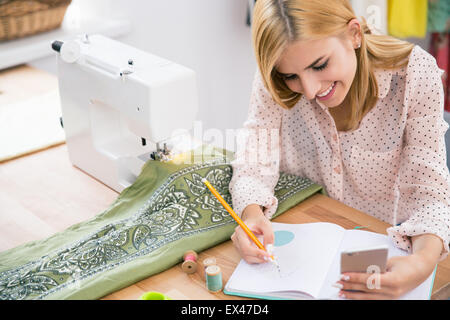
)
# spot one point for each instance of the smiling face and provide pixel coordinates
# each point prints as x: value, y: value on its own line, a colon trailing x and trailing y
x: 321, y: 69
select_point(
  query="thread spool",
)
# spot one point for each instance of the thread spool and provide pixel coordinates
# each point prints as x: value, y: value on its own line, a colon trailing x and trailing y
x: 153, y: 295
x: 209, y: 262
x: 213, y: 278
x: 189, y: 264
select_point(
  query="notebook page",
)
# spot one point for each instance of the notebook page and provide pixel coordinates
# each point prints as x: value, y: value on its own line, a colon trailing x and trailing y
x: 304, y: 253
x: 360, y: 239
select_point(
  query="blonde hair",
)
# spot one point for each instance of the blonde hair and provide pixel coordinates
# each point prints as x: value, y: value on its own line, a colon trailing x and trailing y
x: 278, y: 23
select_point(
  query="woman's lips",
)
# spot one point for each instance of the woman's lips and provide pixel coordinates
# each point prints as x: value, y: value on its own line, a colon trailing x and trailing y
x: 330, y: 94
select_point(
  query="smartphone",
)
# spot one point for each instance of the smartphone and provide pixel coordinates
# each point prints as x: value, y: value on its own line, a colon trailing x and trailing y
x: 366, y: 260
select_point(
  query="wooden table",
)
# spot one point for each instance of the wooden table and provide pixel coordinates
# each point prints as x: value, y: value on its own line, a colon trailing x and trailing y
x: 42, y: 193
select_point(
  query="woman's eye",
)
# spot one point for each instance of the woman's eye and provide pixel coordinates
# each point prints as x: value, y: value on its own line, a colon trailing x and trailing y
x: 321, y: 67
x: 289, y: 77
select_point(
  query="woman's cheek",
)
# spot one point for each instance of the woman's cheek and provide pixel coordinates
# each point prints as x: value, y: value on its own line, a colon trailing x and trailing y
x: 294, y: 86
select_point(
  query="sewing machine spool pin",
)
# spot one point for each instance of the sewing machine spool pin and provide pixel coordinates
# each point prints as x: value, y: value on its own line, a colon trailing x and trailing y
x: 85, y: 38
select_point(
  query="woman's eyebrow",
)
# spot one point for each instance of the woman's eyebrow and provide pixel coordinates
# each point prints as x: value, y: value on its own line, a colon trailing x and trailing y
x: 284, y: 74
x: 316, y: 61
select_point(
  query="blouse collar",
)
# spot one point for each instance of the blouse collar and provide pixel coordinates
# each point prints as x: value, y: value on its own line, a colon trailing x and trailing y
x: 383, y: 77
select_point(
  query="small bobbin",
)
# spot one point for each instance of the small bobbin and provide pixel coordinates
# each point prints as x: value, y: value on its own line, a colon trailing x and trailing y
x: 190, y: 261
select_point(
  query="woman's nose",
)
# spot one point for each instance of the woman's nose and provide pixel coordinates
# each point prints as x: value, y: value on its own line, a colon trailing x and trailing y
x: 310, y: 88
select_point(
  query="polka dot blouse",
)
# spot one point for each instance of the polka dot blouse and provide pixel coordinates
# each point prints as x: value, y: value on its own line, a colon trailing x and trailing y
x: 392, y: 167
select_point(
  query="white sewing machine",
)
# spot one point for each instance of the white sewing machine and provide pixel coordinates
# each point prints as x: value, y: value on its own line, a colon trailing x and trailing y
x: 120, y: 105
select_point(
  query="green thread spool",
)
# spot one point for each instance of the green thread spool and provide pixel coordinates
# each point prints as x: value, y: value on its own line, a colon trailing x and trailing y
x: 153, y: 295
x: 213, y: 278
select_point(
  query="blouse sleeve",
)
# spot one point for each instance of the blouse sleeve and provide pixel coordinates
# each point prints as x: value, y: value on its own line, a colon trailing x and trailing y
x: 256, y: 162
x: 424, y: 180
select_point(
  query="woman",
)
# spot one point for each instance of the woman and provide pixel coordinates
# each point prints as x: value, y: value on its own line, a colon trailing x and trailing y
x: 359, y: 113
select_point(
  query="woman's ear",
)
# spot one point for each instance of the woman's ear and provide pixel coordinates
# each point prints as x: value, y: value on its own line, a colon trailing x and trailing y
x: 354, y: 31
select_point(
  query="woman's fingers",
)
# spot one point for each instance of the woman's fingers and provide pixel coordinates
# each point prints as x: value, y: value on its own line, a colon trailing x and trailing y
x: 247, y: 248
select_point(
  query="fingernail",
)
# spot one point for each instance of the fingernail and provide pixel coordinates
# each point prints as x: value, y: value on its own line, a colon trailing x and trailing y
x: 345, y: 277
x: 341, y: 294
x: 265, y: 258
x: 337, y: 285
x: 269, y: 248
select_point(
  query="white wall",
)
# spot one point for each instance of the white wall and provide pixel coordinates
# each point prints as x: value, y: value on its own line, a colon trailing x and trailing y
x: 209, y: 36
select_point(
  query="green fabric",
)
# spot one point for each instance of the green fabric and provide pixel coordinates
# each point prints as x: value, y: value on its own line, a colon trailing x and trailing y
x: 146, y: 230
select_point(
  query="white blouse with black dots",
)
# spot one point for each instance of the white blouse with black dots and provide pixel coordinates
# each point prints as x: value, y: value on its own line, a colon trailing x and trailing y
x: 392, y: 167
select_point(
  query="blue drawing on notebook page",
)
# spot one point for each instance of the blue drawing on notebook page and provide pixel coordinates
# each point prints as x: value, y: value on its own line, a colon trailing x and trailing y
x: 283, y: 237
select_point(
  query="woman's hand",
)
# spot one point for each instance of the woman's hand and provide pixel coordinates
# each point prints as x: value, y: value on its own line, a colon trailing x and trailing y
x: 403, y: 274
x: 255, y: 220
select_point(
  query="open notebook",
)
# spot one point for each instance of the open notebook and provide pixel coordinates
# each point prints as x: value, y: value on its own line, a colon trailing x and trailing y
x: 309, y: 263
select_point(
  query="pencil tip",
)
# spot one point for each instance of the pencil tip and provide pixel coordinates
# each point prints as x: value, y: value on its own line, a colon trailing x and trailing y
x: 274, y: 261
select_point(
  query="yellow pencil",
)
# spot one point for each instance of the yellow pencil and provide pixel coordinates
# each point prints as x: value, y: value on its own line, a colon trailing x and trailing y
x: 236, y: 217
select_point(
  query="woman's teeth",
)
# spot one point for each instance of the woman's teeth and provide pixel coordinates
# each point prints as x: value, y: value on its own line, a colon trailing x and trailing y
x: 327, y: 92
